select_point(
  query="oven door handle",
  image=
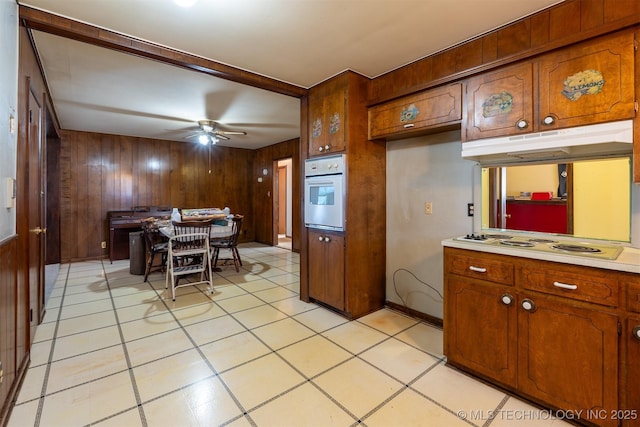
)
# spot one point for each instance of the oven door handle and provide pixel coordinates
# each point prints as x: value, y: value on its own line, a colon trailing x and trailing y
x: 317, y: 182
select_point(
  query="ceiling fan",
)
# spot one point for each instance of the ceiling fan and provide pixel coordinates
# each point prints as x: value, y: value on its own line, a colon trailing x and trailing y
x: 209, y: 133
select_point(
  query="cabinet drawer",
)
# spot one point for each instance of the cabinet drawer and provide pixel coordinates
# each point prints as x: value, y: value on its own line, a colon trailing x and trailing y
x: 480, y: 268
x: 415, y: 113
x: 594, y: 287
x: 633, y: 296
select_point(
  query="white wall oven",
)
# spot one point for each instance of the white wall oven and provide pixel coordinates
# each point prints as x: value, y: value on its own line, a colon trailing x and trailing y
x: 324, y: 193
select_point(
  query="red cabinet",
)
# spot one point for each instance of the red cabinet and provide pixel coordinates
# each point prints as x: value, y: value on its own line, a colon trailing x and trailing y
x: 546, y: 217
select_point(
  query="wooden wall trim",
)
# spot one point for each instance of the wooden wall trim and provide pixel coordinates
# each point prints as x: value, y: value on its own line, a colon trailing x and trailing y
x: 559, y: 26
x: 49, y: 23
x: 8, y: 240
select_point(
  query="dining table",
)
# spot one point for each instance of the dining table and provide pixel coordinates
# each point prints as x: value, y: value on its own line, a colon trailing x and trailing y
x: 218, y: 231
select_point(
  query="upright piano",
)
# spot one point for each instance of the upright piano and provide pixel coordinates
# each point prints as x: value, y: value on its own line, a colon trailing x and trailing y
x: 123, y: 222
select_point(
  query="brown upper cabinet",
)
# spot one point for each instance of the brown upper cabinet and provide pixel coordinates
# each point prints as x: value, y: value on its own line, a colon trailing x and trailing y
x: 588, y: 83
x: 417, y: 114
x: 327, y: 117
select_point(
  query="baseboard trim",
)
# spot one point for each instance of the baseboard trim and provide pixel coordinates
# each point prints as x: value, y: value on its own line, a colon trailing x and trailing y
x: 435, y: 321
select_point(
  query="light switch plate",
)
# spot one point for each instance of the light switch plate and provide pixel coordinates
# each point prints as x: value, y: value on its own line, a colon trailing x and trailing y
x: 10, y: 193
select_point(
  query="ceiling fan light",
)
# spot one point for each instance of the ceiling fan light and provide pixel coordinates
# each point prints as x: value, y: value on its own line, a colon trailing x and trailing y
x: 203, y: 139
x: 206, y: 125
x: 214, y: 140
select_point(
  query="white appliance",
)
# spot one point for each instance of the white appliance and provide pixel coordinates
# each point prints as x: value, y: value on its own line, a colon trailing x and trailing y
x: 324, y: 193
x: 601, y: 140
x: 564, y: 247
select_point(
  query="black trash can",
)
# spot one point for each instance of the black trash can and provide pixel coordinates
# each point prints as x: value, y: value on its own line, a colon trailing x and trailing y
x: 136, y: 253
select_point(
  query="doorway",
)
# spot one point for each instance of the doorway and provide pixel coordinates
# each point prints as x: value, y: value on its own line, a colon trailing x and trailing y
x: 283, y: 202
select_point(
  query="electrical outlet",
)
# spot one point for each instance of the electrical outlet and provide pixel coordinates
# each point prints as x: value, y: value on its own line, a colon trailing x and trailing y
x: 428, y: 208
x: 470, y: 209
x: 103, y: 245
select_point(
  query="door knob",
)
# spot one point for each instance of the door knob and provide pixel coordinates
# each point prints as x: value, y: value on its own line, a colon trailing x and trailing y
x: 38, y: 230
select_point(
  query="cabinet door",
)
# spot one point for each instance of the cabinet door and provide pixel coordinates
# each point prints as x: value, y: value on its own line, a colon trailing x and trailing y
x: 336, y: 120
x: 317, y: 126
x: 326, y: 268
x: 411, y: 114
x: 480, y: 328
x: 568, y: 356
x: 500, y: 103
x: 589, y: 83
x: 327, y: 122
x: 632, y: 373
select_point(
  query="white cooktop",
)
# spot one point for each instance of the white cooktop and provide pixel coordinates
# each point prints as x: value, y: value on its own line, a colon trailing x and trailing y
x: 544, y: 244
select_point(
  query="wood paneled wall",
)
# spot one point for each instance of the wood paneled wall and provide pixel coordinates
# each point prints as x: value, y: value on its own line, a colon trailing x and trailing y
x: 100, y: 172
x: 263, y: 191
x: 560, y: 25
x: 8, y: 312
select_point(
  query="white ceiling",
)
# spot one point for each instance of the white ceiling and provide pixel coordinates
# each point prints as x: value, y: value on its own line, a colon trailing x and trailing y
x: 301, y: 42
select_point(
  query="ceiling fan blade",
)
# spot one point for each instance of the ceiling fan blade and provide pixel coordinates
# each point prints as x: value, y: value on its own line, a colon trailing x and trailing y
x: 220, y: 136
x: 225, y: 132
x: 262, y: 125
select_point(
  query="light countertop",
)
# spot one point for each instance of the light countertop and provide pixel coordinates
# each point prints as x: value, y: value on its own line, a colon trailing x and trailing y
x: 628, y: 260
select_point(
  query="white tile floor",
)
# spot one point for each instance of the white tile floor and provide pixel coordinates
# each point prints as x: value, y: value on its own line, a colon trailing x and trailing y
x: 115, y: 351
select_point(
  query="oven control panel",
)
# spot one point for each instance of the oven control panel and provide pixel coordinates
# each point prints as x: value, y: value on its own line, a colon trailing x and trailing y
x: 330, y: 165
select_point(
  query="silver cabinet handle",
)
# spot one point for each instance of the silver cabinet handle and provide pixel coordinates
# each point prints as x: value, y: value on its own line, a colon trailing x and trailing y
x: 506, y: 299
x: 327, y: 239
x: 320, y: 239
x: 528, y: 305
x: 548, y: 121
x: 636, y: 332
x: 321, y: 149
x: 326, y: 147
x: 564, y: 285
x: 478, y: 269
x: 408, y: 125
x: 522, y: 124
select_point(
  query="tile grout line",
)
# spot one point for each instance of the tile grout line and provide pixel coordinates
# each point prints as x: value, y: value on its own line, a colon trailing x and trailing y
x: 503, y: 402
x: 134, y: 385
x: 45, y: 381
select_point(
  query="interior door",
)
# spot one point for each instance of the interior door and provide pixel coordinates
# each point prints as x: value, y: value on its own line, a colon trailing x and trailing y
x: 35, y: 214
x: 282, y: 200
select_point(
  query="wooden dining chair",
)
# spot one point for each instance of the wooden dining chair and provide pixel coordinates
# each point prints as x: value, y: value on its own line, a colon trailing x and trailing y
x: 229, y: 243
x: 157, y: 244
x: 189, y: 253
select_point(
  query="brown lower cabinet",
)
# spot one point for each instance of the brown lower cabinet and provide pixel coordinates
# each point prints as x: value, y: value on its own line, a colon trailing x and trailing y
x: 555, y: 346
x: 568, y: 355
x: 326, y: 272
x: 631, y: 407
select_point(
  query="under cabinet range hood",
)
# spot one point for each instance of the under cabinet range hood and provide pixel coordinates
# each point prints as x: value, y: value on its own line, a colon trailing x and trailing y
x: 601, y: 140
